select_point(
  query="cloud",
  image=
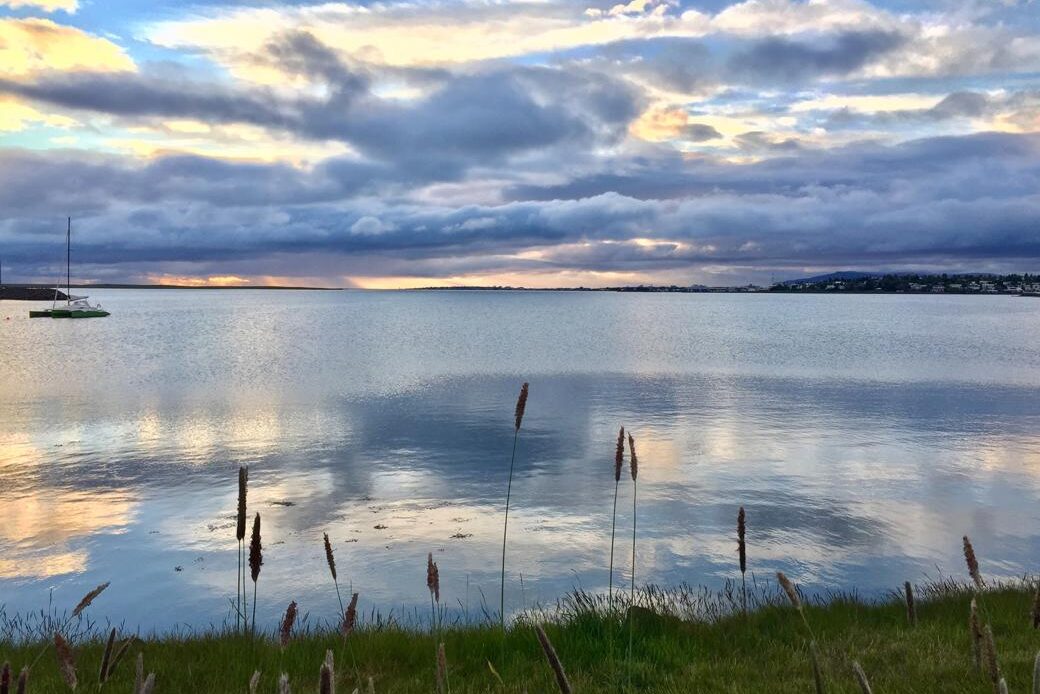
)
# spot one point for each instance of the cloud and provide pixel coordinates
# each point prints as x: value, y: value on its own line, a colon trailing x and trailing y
x: 957, y: 200
x: 30, y: 46
x: 784, y: 60
x: 69, y: 6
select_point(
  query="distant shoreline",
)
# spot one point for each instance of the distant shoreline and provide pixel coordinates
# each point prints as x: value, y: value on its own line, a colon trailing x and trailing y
x: 28, y: 292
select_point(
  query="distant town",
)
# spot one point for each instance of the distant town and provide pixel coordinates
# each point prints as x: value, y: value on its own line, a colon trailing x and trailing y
x: 836, y: 282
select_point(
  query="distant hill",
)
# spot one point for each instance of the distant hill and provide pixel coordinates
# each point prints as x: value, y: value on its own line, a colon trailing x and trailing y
x: 833, y: 276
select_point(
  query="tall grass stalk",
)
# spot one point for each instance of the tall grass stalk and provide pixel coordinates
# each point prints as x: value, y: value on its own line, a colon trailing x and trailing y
x: 796, y: 601
x: 330, y: 559
x: 240, y: 534
x: 742, y: 555
x: 633, y: 466
x: 619, y: 459
x: 911, y: 606
x: 521, y: 405
x: 256, y: 560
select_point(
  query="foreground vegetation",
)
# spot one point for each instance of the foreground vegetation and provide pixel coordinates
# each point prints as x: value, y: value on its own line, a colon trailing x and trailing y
x: 765, y: 651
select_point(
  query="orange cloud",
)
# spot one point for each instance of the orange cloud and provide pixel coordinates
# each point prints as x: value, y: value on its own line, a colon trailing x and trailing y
x: 34, y: 45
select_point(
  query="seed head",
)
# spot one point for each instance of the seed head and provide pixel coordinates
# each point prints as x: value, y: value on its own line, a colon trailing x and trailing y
x: 554, y: 660
x: 89, y: 598
x: 741, y: 546
x: 973, y: 563
x: 633, y: 461
x: 243, y: 481
x: 990, y: 649
x: 66, y: 663
x: 350, y: 617
x: 256, y: 553
x: 285, y: 632
x: 331, y: 560
x: 521, y: 404
x: 789, y: 588
x: 433, y: 577
x: 442, y: 670
x: 976, y: 634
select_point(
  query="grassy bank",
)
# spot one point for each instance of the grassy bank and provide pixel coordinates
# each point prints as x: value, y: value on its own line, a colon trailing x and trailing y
x: 767, y: 651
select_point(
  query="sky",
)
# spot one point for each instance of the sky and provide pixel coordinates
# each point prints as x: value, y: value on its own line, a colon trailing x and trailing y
x: 539, y: 143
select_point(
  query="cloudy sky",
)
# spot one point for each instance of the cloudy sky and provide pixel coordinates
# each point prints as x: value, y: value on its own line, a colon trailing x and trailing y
x: 527, y: 142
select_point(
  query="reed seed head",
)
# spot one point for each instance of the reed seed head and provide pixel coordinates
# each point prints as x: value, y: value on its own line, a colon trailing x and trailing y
x: 254, y: 682
x: 619, y: 454
x: 1036, y: 608
x: 285, y: 631
x: 633, y: 461
x: 861, y: 678
x: 23, y: 681
x: 976, y: 634
x: 521, y: 405
x: 792, y: 593
x: 5, y: 679
x: 120, y: 652
x: 243, y: 482
x: 990, y: 650
x: 256, y: 553
x: 554, y: 660
x: 89, y: 598
x: 741, y: 546
x: 442, y: 670
x: 66, y: 663
x: 329, y: 558
x: 350, y: 617
x: 106, y: 659
x: 973, y: 563
x: 139, y: 673
x: 433, y: 577
x: 327, y: 675
x: 911, y: 608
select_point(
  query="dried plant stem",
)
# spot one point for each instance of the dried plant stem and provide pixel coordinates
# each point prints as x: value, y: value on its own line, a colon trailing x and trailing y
x: 613, y: 530
x: 554, y: 660
x: 442, y: 671
x: 911, y: 608
x: 817, y: 675
x: 23, y: 681
x: 619, y: 459
x: 1036, y: 674
x: 106, y: 659
x: 861, y: 678
x: 505, y: 531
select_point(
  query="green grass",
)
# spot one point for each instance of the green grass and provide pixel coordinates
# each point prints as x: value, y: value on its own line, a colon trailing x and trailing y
x: 764, y: 652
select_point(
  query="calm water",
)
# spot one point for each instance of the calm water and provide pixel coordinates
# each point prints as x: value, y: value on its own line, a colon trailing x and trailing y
x: 864, y: 435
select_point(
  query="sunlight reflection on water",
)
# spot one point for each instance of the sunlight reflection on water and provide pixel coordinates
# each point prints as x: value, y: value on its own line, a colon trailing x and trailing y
x: 864, y: 435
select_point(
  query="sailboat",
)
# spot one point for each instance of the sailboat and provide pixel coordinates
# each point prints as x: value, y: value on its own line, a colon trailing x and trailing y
x: 75, y: 306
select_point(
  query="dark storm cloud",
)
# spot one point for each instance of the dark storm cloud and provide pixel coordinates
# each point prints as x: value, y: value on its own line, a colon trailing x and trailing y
x: 784, y: 60
x: 963, y: 199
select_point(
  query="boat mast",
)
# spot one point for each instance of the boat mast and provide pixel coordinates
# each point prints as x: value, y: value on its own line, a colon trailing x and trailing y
x: 68, y: 263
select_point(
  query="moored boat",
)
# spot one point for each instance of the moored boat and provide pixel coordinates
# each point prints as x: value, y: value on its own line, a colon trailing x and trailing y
x: 75, y: 306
